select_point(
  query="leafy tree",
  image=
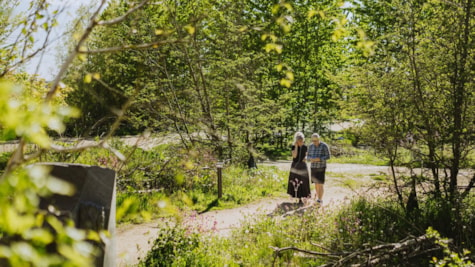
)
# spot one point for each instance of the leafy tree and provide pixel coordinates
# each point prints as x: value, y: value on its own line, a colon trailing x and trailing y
x: 221, y: 79
x: 29, y: 236
x: 313, y: 52
x: 19, y: 31
x: 415, y: 94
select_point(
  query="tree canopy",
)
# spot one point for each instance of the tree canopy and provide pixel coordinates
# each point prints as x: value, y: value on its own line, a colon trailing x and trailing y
x: 224, y: 68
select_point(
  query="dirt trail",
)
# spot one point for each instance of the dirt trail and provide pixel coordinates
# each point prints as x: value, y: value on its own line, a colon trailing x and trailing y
x: 133, y: 241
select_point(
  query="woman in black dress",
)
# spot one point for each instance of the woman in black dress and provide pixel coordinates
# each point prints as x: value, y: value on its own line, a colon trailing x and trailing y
x: 299, y: 183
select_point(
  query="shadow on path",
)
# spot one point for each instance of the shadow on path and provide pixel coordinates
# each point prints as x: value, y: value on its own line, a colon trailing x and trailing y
x: 211, y: 205
x: 291, y: 208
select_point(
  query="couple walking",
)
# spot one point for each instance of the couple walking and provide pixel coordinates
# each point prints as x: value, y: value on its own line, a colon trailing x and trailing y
x: 317, y: 154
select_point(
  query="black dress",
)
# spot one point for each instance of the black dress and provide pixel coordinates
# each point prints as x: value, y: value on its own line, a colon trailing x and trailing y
x: 299, y: 182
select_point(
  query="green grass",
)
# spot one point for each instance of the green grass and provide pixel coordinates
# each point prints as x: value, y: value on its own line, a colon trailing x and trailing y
x: 381, y: 177
x: 359, y: 224
x: 240, y: 186
x: 361, y: 157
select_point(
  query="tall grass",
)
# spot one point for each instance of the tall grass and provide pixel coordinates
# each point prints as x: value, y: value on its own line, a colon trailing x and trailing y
x: 359, y: 224
x: 240, y: 186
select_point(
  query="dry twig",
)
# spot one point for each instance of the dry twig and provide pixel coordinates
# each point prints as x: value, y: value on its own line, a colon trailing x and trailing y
x: 409, y: 248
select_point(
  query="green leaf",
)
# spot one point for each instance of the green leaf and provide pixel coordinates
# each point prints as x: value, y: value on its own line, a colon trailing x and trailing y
x: 38, y: 235
x: 88, y: 78
x: 189, y: 29
x: 289, y: 75
x: 286, y: 83
x: 311, y: 13
x: 59, y: 186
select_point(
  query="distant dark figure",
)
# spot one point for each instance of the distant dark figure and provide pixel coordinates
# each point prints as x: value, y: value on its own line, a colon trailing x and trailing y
x: 280, y: 139
x: 412, y: 203
x: 251, y: 163
x: 299, y: 184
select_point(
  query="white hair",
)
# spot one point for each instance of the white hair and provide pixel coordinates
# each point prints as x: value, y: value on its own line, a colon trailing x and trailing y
x: 299, y: 136
x: 316, y: 135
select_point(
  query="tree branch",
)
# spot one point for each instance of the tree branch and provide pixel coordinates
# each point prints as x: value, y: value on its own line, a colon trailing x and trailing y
x: 374, y: 255
x: 469, y: 187
x: 383, y: 250
x: 78, y: 148
x: 132, y: 46
x: 310, y: 252
x: 24, y: 56
x: 123, y: 17
x: 320, y: 246
x: 73, y: 54
x: 16, y: 159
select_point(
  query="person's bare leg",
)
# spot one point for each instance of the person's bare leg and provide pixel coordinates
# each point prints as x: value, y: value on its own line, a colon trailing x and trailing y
x: 316, y: 191
x: 321, y: 192
x: 319, y: 188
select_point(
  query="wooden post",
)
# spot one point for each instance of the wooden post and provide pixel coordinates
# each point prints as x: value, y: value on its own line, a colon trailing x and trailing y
x: 219, y: 166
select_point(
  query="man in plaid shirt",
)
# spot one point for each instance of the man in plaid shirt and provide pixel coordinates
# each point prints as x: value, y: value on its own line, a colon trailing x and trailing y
x: 318, y: 154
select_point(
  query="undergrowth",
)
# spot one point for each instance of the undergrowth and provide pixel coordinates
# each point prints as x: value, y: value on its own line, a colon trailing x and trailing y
x: 160, y: 181
x: 358, y: 224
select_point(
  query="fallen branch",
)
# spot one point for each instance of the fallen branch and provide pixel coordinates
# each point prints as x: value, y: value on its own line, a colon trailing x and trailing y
x: 278, y: 251
x: 320, y: 246
x: 330, y: 255
x: 376, y: 255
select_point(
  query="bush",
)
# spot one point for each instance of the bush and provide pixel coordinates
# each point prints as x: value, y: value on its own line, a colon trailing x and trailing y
x: 457, y: 223
x: 174, y: 246
x: 370, y: 222
x: 273, y: 152
x: 364, y: 222
x: 159, y: 168
x: 449, y: 257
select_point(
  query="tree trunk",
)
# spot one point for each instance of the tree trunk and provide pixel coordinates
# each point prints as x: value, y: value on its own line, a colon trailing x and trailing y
x: 459, y: 80
x: 396, y: 185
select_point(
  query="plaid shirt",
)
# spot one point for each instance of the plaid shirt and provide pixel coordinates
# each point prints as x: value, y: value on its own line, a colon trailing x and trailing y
x: 321, y: 151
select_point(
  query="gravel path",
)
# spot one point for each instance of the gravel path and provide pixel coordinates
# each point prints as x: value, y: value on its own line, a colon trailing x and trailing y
x: 133, y: 241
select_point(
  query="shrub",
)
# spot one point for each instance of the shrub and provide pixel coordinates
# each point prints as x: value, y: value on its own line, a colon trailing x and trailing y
x: 174, y: 246
x: 456, y: 222
x: 370, y: 222
x: 364, y: 222
x: 449, y: 258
